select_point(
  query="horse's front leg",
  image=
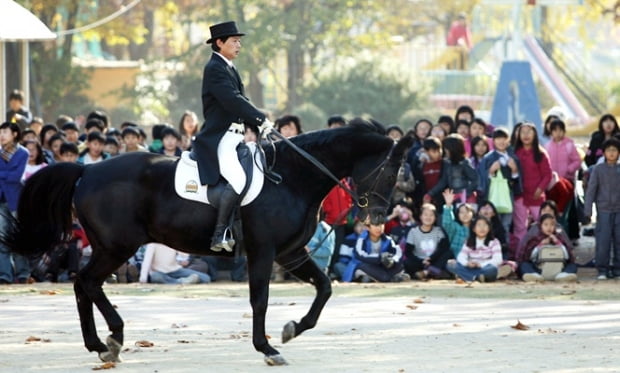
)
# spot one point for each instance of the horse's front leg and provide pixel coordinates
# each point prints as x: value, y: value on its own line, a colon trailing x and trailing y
x: 303, y: 267
x: 259, y: 272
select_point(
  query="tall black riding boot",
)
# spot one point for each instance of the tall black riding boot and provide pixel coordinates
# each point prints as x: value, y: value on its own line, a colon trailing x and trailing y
x: 228, y: 202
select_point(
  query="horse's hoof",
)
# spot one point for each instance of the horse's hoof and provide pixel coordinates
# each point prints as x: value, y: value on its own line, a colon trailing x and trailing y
x: 108, y: 357
x: 274, y: 360
x: 288, y: 332
x: 113, y: 352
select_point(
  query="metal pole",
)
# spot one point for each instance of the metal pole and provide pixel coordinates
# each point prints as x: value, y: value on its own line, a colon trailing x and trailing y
x: 2, y: 82
x: 25, y: 77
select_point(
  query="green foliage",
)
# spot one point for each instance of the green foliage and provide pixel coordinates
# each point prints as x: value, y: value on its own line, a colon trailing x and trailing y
x: 311, y: 117
x: 58, y: 85
x: 364, y: 89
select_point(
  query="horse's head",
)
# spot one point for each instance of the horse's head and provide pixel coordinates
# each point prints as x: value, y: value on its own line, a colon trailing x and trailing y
x: 375, y: 178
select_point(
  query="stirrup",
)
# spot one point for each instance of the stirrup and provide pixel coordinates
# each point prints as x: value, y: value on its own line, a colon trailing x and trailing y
x: 225, y: 244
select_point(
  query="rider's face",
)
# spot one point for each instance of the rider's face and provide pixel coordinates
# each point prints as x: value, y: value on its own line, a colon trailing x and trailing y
x: 230, y: 49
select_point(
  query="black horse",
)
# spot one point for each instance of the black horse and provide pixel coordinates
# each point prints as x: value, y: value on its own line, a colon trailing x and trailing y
x: 130, y: 200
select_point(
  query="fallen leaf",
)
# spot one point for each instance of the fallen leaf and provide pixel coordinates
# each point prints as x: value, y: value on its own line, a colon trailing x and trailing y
x: 568, y: 292
x: 33, y: 339
x: 418, y: 300
x: 108, y: 365
x: 551, y: 331
x: 144, y: 344
x: 412, y: 307
x: 115, y: 306
x: 292, y: 304
x: 267, y: 336
x: 456, y: 325
x: 178, y: 326
x: 459, y: 281
x: 49, y: 292
x: 520, y: 326
x: 183, y: 341
x: 247, y: 315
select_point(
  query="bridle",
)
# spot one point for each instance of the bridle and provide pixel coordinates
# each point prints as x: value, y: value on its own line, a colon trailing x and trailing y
x: 361, y: 201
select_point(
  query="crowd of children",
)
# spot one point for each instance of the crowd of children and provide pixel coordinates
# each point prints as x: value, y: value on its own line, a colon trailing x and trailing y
x: 492, y: 204
x: 472, y: 201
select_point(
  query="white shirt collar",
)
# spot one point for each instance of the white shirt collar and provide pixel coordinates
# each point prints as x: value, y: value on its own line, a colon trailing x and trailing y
x: 228, y: 62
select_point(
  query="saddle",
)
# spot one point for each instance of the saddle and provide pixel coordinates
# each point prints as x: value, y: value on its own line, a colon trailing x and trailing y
x: 187, y: 182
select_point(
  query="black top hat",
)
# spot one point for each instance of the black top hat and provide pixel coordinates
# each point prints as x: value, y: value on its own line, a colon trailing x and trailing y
x: 224, y: 29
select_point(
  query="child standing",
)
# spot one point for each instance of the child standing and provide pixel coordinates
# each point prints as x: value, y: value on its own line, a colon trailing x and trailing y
x: 36, y: 160
x: 94, y: 149
x: 481, y: 255
x: 602, y: 190
x: 565, y: 161
x: 462, y: 128
x: 428, y: 174
x: 13, y: 160
x: 535, y: 181
x: 479, y: 148
x: 563, y: 155
x: 171, y: 139
x: 500, y: 159
x: 459, y: 176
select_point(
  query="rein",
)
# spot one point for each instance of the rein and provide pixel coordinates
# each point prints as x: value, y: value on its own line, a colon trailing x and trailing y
x: 361, y: 202
x: 358, y: 200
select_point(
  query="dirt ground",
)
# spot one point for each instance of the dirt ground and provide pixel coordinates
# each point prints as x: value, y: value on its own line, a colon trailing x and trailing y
x: 437, y: 326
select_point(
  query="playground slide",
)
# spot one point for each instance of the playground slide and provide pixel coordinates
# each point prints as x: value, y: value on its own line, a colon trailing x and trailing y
x: 552, y: 80
x: 451, y: 55
x: 592, y: 124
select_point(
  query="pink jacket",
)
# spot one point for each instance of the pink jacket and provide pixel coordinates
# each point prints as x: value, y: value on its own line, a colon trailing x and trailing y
x: 564, y: 158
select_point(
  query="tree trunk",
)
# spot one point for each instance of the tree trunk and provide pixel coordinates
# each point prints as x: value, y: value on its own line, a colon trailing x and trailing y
x: 73, y: 8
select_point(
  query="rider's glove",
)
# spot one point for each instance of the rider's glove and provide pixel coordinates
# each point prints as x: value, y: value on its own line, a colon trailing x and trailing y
x: 267, y: 126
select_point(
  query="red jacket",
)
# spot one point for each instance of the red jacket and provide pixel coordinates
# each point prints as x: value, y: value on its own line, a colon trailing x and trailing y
x: 336, y: 205
x: 534, y: 175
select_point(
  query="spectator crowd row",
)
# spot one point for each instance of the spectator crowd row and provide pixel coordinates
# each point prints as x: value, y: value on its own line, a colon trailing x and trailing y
x: 472, y: 201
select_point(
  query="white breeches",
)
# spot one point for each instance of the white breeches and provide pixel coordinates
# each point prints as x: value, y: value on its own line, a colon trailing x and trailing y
x: 230, y: 168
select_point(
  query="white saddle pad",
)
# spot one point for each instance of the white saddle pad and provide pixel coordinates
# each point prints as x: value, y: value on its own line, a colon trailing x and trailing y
x: 187, y: 182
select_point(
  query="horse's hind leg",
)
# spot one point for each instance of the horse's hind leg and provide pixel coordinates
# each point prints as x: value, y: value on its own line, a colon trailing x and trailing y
x: 259, y: 271
x: 88, y: 290
x: 87, y: 320
x: 303, y: 267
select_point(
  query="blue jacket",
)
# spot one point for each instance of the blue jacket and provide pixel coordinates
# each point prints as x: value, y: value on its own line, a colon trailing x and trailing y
x: 10, y: 176
x: 322, y: 254
x: 362, y: 253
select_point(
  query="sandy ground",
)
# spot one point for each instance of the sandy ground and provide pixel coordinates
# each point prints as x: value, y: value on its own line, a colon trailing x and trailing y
x: 414, y: 327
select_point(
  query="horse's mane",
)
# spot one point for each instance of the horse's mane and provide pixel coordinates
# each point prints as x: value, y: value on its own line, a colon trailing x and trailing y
x: 359, y: 137
x: 356, y: 129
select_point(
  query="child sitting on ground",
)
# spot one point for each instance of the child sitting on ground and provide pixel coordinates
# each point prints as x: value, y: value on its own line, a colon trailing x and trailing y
x: 427, y: 247
x: 532, y: 259
x: 481, y: 255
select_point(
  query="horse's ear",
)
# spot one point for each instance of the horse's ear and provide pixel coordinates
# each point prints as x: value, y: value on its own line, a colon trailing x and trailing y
x: 402, y: 146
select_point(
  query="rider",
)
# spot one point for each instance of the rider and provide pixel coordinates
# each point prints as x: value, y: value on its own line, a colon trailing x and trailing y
x: 225, y: 109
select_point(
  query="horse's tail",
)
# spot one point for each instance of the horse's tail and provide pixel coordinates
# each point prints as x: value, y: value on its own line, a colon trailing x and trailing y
x: 44, y: 213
